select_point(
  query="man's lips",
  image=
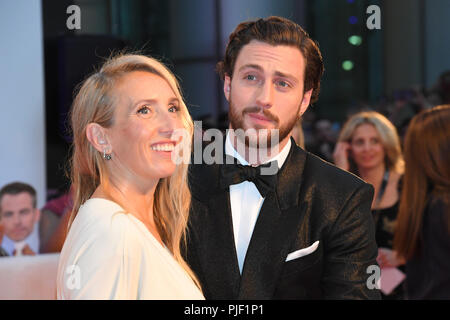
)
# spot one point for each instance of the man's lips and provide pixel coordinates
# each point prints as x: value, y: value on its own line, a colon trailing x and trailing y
x: 259, y: 117
x: 19, y: 230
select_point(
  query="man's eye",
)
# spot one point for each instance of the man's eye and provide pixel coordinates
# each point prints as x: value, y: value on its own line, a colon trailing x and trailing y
x: 283, y: 84
x: 250, y: 77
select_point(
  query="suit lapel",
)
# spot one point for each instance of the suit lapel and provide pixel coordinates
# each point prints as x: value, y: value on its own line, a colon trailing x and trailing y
x: 275, y: 230
x: 222, y: 265
x: 213, y: 228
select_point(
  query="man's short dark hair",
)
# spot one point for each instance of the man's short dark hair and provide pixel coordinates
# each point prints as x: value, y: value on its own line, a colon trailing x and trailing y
x: 16, y: 188
x: 276, y: 31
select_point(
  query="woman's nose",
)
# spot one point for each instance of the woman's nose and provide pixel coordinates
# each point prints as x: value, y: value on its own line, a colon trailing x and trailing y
x: 167, y: 123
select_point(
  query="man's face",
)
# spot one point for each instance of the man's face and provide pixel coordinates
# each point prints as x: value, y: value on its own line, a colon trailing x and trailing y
x: 18, y: 216
x: 266, y: 91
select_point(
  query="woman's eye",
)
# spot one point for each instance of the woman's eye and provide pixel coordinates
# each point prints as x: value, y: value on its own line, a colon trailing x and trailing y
x: 145, y: 111
x: 174, y: 108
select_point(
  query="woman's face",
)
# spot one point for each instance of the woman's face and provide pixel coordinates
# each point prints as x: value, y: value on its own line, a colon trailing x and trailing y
x: 147, y: 114
x: 367, y: 148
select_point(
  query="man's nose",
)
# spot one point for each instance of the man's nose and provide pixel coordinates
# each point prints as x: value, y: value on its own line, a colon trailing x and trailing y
x: 265, y: 95
x: 16, y: 220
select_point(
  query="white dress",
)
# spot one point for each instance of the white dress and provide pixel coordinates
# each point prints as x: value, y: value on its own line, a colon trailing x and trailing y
x: 110, y: 254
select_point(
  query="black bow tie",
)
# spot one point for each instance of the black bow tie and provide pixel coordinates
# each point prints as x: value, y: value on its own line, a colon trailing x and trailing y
x: 236, y: 173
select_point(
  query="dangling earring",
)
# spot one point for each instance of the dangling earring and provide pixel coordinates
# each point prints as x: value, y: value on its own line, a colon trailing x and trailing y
x: 105, y: 155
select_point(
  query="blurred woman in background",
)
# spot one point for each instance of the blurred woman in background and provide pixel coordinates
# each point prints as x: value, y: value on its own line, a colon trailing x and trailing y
x: 369, y: 147
x: 422, y: 236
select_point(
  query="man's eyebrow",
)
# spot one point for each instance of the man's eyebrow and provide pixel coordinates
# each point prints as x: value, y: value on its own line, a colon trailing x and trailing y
x: 286, y: 75
x: 252, y: 66
x: 24, y: 210
x: 277, y: 73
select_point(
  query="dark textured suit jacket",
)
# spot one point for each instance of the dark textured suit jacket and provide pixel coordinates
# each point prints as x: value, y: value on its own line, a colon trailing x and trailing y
x: 314, y: 201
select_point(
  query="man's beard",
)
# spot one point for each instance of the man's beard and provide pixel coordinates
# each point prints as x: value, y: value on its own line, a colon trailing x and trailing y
x: 262, y: 140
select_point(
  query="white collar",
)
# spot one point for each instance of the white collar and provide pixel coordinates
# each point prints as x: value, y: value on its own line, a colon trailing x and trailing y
x: 280, y: 157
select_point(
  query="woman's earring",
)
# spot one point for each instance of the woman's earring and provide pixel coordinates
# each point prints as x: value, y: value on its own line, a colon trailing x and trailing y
x: 105, y: 155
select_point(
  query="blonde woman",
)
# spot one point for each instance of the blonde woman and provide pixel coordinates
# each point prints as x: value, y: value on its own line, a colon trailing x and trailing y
x: 369, y: 147
x: 131, y: 200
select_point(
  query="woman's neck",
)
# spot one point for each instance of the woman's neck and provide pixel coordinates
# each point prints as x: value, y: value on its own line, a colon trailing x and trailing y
x: 374, y: 175
x: 135, y: 200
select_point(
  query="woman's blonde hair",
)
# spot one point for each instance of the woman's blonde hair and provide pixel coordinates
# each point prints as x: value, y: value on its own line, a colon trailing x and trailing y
x: 95, y: 103
x: 388, y: 134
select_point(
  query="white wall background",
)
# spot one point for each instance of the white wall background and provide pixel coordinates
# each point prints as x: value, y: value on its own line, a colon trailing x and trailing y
x: 22, y: 111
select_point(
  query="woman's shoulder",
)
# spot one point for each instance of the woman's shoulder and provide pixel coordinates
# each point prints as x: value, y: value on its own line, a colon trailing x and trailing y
x: 396, y: 178
x: 437, y: 209
x: 103, y: 219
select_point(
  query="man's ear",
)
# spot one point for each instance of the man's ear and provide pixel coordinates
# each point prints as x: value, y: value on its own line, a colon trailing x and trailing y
x: 37, y: 216
x: 305, y: 102
x: 98, y: 137
x: 227, y: 87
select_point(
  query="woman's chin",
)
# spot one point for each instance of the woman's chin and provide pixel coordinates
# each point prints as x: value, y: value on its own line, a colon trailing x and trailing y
x: 166, y: 172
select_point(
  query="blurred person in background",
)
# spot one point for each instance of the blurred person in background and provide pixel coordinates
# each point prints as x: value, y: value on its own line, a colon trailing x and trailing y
x: 369, y: 147
x: 54, y: 222
x: 3, y: 253
x: 422, y: 235
x: 19, y: 218
x: 324, y: 139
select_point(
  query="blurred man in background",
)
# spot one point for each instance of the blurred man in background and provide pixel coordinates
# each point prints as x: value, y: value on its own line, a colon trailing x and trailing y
x: 19, y: 219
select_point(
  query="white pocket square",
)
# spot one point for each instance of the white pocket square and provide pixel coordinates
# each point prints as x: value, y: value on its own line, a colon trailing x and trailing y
x: 303, y: 252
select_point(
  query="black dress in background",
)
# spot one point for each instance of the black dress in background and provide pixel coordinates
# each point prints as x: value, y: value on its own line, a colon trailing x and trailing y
x: 428, y: 274
x: 385, y: 220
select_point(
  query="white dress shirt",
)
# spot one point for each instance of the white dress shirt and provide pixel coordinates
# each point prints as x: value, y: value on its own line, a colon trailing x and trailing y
x: 246, y: 202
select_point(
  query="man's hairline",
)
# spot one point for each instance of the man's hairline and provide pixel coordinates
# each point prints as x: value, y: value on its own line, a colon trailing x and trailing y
x: 33, y: 199
x: 273, y: 45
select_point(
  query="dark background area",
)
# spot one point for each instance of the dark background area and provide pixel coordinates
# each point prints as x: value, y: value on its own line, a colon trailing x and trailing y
x: 394, y: 70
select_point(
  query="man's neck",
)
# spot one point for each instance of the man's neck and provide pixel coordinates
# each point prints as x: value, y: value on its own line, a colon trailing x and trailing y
x: 255, y: 155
